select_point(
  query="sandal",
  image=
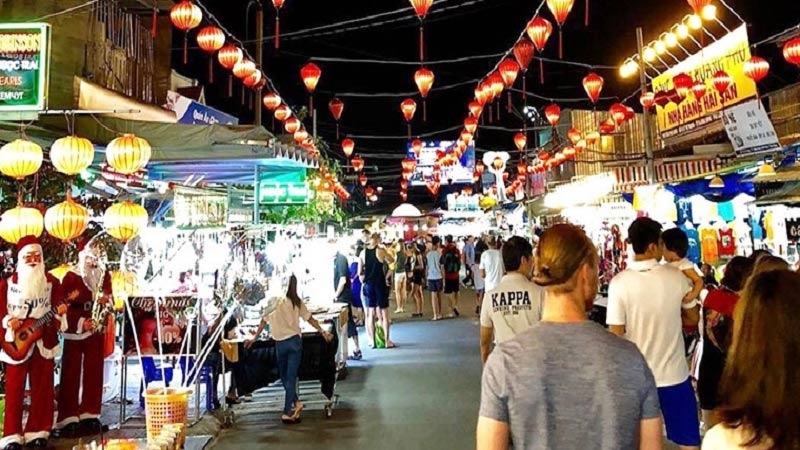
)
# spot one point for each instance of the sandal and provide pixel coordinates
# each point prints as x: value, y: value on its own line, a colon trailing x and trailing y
x: 289, y: 420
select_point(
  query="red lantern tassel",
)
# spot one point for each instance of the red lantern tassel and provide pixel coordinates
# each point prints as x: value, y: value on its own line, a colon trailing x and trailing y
x: 424, y: 110
x: 490, y: 113
x: 230, y: 85
x: 311, y: 104
x: 153, y: 28
x: 421, y: 42
x: 560, y: 44
x: 508, y: 101
x: 497, y: 111
x: 337, y: 131
x: 541, y: 71
x: 524, y: 89
x: 587, y: 13
x: 277, y: 31
x: 185, y: 47
x: 210, y: 69
x: 408, y: 125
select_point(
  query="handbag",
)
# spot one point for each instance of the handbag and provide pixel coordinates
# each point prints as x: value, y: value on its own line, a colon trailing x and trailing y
x: 380, y: 337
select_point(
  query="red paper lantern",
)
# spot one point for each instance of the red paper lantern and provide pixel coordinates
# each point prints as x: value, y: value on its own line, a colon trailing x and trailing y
x: 756, y: 68
x: 791, y: 51
x: 471, y: 124
x: 416, y: 147
x: 553, y: 114
x: 282, y: 112
x: 497, y: 84
x: 560, y: 10
x: 210, y: 39
x: 618, y: 113
x: 698, y: 5
x: 229, y: 55
x: 409, y: 164
x: 593, y: 85
x: 403, y: 184
x: 539, y: 30
x: 543, y: 155
x: 300, y: 135
x: 421, y: 8
x: 480, y: 95
x: 721, y: 81
x: 408, y: 107
x: 424, y: 78
x: 580, y: 146
x: 362, y: 180
x: 336, y: 107
x: 568, y: 152
x: 291, y: 125
x: 185, y: 15
x: 244, y: 68
x: 347, y: 147
x: 369, y: 192
x: 475, y: 108
x: 523, y: 53
x: 253, y: 80
x: 698, y: 90
x: 466, y: 136
x: 272, y: 100
x: 403, y: 195
x: 488, y: 90
x: 509, y: 69
x: 607, y: 127
x: 521, y: 141
x: 498, y: 163
x: 310, y: 73
x: 278, y: 4
x: 592, y: 137
x: 358, y: 163
x: 574, y: 135
x: 479, y: 167
x: 647, y: 99
x: 683, y: 84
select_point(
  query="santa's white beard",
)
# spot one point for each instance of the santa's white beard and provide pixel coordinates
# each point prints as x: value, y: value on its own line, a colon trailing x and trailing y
x: 32, y: 281
x: 92, y: 276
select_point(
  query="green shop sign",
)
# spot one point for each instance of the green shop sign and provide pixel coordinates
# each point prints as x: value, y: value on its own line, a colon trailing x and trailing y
x: 283, y: 186
x: 24, y: 58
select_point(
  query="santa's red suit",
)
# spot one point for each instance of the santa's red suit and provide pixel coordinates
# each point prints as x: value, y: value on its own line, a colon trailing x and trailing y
x: 80, y: 393
x: 36, y: 368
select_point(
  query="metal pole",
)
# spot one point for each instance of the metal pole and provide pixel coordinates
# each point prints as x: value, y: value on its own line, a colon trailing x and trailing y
x: 257, y: 194
x: 648, y: 139
x: 259, y: 57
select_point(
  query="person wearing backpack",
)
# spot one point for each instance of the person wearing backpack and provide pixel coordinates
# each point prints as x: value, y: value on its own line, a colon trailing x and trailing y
x: 451, y: 267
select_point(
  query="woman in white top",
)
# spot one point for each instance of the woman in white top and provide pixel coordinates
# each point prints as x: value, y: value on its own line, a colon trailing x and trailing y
x: 284, y: 328
x: 760, y: 384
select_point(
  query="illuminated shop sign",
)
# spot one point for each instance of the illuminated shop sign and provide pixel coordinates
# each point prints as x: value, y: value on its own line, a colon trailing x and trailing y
x: 24, y: 58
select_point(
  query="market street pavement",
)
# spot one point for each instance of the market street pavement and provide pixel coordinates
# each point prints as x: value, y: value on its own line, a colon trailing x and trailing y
x: 424, y: 394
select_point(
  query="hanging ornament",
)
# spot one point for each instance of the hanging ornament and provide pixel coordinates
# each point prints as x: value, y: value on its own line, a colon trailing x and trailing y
x: 791, y: 51
x: 300, y: 135
x: 253, y: 79
x: 580, y: 146
x: 475, y: 109
x: 210, y: 39
x: 574, y: 135
x: 310, y: 73
x: 424, y: 79
x: 71, y: 155
x: 523, y: 53
x: 228, y: 56
x: 553, y: 114
x: 347, y: 147
x: 185, y: 15
x: 683, y: 84
x: 291, y: 125
x: 618, y: 113
x: 471, y: 124
x: 19, y: 222
x: 362, y: 180
x: 244, y: 68
x: 408, y: 107
x: 466, y: 136
x: 756, y: 68
x: 416, y: 147
x: 283, y: 112
x: 560, y: 10
x: 67, y: 220
x: 521, y: 141
x: 721, y: 81
x: 648, y: 100
x: 509, y: 70
x: 607, y: 127
x: 336, y: 107
x: 272, y: 101
x: 124, y: 221
x: 593, y: 85
x: 539, y: 31
x: 409, y: 164
x: 421, y: 8
x: 278, y: 4
x: 128, y: 154
x: 20, y: 158
x: 358, y: 163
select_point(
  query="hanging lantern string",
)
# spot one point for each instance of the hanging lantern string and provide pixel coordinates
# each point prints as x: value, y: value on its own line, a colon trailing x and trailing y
x: 69, y: 10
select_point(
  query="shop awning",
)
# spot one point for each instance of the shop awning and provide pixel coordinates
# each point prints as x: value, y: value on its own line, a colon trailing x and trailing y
x: 789, y: 194
x: 668, y: 172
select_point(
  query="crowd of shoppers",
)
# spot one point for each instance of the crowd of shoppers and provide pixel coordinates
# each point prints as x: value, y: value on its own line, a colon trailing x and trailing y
x: 558, y: 381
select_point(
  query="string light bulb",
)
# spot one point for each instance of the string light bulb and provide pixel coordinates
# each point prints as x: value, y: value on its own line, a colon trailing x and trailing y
x: 694, y: 22
x: 660, y: 47
x: 682, y: 31
x: 649, y: 54
x: 709, y: 12
x: 670, y: 40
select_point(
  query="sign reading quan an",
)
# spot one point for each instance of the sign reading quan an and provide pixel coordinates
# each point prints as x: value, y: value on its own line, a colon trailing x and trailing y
x: 692, y: 115
x: 24, y: 57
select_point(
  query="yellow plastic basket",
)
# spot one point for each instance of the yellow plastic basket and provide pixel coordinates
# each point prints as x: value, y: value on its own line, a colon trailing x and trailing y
x: 166, y: 408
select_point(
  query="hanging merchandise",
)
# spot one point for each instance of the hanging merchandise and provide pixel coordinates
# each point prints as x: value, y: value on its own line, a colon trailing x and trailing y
x: 553, y: 114
x: 347, y: 147
x: 283, y: 112
x: 271, y: 101
x: 509, y: 69
x: 726, y: 243
x: 521, y: 141
x: 408, y: 107
x: 210, y: 39
x: 560, y: 10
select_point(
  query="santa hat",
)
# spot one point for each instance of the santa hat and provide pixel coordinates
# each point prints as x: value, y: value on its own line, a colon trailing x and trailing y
x: 27, y: 244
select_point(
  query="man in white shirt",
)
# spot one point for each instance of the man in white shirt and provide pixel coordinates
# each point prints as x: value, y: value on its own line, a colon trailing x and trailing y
x: 645, y: 305
x: 515, y: 304
x: 491, y: 265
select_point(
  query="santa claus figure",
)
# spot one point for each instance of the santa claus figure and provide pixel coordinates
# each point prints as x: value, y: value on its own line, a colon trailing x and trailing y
x: 32, y: 311
x: 80, y: 393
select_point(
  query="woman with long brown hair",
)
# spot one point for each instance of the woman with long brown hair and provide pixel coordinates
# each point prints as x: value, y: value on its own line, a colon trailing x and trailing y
x: 284, y: 328
x: 760, y: 385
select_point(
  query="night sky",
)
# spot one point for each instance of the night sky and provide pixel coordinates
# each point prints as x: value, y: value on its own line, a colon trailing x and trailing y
x: 453, y: 29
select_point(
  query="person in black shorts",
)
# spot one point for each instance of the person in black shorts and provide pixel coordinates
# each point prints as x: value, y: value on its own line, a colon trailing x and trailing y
x: 451, y: 267
x: 375, y: 292
x: 416, y: 276
x: 343, y: 293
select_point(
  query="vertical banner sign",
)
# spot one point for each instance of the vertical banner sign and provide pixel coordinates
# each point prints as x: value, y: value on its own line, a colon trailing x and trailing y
x: 24, y: 56
x: 683, y: 118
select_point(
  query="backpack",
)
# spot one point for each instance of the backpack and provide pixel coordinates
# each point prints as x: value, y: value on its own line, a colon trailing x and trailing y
x: 451, y: 261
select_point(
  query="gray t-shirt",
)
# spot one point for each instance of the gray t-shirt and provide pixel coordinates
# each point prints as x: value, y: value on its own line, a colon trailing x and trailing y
x: 562, y: 386
x: 434, y: 269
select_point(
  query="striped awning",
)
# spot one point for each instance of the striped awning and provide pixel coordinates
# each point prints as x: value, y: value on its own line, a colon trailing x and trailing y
x: 630, y: 177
